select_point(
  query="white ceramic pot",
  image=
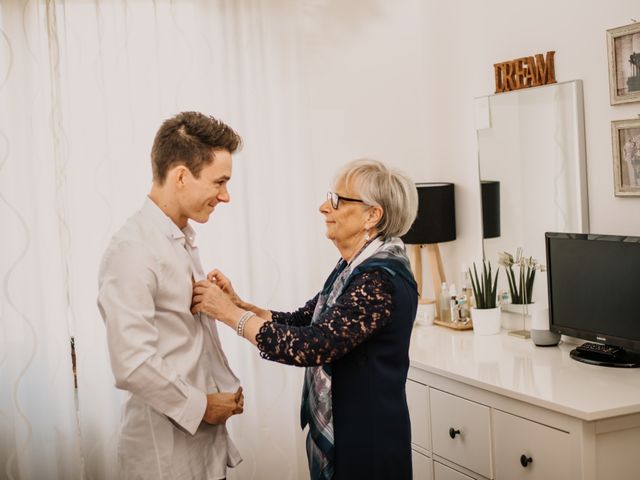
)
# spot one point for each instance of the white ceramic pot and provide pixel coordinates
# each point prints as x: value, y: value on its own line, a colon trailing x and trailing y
x: 426, y: 312
x: 486, y: 321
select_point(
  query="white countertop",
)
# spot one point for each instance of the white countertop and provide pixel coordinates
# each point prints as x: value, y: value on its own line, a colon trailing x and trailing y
x: 515, y: 367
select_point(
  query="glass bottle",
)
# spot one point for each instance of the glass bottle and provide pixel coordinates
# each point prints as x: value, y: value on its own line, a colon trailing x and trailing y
x: 445, y: 303
x: 467, y: 291
x: 453, y: 303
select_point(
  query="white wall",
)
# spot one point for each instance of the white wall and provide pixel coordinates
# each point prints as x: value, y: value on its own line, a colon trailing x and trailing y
x: 374, y: 90
x: 493, y: 30
x: 396, y: 81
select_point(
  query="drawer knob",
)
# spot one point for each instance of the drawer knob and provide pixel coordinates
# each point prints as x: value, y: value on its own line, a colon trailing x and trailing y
x: 453, y: 432
x: 524, y: 460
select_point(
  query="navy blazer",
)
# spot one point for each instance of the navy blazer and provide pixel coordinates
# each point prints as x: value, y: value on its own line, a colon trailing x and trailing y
x: 371, y: 424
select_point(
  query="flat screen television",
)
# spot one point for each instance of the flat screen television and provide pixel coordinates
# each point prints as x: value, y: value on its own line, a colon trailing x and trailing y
x: 594, y: 294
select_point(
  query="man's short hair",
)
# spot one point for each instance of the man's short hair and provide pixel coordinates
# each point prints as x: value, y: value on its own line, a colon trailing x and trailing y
x: 189, y: 139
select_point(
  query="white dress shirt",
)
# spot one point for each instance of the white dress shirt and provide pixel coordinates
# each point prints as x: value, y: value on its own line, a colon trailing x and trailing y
x: 166, y: 358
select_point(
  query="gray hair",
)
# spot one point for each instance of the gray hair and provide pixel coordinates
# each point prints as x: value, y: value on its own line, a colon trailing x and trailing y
x: 391, y: 189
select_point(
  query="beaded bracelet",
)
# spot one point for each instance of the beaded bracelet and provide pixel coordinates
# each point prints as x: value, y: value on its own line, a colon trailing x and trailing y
x: 243, y: 320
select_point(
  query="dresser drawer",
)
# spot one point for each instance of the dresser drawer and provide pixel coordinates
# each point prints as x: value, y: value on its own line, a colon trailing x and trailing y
x: 461, y: 431
x: 422, y: 466
x: 549, y: 450
x: 442, y: 472
x: 418, y: 402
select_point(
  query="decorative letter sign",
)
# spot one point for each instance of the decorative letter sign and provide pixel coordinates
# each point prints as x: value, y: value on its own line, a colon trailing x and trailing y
x: 525, y: 72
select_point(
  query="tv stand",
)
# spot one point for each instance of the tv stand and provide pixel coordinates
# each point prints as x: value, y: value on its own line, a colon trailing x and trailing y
x: 605, y: 356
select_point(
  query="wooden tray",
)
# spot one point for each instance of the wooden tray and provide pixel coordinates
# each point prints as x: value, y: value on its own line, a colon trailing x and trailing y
x: 454, y: 325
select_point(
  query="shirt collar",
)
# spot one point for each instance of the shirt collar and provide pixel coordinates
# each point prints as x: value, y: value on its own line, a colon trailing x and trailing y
x: 160, y: 219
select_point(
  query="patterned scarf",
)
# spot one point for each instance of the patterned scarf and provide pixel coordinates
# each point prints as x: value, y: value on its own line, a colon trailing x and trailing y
x: 316, y: 408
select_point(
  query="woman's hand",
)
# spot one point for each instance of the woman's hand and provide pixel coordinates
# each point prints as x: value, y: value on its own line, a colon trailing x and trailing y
x: 217, y: 277
x: 210, y: 299
x: 216, y: 298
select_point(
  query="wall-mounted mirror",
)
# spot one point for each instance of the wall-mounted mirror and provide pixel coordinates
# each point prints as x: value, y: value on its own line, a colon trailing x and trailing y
x: 532, y: 142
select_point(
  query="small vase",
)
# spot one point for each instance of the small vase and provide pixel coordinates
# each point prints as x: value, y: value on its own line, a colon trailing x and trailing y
x: 519, y: 308
x: 486, y: 321
x: 524, y: 311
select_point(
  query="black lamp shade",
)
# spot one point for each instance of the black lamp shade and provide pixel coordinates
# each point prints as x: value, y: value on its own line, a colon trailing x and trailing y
x: 490, y: 190
x: 436, y: 220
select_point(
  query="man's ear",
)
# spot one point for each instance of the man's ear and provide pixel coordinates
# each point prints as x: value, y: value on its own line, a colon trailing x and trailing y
x: 178, y: 175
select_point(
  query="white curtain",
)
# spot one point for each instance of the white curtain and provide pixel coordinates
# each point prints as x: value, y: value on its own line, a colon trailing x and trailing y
x: 83, y: 87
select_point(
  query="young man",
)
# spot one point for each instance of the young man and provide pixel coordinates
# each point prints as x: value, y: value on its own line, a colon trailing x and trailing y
x: 181, y: 389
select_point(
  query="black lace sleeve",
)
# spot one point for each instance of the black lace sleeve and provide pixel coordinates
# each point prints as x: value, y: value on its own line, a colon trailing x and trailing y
x: 299, y: 318
x: 362, y: 309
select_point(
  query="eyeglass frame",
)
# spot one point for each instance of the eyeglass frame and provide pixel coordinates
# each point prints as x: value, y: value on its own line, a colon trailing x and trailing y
x: 332, y: 195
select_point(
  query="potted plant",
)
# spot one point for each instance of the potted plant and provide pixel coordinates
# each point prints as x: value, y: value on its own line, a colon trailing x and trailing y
x: 520, y: 283
x: 486, y: 314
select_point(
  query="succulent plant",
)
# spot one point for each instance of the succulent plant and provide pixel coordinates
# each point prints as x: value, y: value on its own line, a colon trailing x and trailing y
x: 485, y: 286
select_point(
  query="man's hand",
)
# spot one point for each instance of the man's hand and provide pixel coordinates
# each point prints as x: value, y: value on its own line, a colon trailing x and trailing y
x: 220, y: 406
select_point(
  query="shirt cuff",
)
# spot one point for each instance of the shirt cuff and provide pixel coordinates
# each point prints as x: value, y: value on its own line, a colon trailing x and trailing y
x: 193, y: 411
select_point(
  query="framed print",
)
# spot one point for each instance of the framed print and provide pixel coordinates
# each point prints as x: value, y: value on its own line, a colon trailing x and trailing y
x: 626, y: 157
x: 623, y: 46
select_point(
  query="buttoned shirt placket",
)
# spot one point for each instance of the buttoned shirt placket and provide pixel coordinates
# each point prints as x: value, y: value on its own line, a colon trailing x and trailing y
x: 219, y: 365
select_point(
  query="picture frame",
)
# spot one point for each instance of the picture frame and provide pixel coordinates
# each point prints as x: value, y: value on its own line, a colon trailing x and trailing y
x: 623, y: 47
x: 625, y: 136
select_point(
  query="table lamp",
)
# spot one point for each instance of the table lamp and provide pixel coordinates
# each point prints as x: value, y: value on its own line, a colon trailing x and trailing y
x: 490, y: 192
x: 435, y: 223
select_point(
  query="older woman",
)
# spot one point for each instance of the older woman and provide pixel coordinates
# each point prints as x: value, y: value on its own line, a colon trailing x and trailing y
x: 353, y: 336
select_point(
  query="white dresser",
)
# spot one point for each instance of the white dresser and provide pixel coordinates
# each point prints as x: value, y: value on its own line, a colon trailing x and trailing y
x: 498, y: 407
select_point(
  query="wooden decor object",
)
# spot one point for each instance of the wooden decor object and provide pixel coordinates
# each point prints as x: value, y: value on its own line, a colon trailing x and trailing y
x: 416, y: 263
x: 435, y: 264
x: 525, y: 72
x: 468, y: 325
x: 437, y: 270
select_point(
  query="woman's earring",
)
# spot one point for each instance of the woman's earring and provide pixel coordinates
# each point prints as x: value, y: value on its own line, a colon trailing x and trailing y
x: 366, y: 236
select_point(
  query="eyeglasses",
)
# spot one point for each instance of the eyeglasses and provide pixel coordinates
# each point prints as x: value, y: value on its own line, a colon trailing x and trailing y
x: 334, y: 198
